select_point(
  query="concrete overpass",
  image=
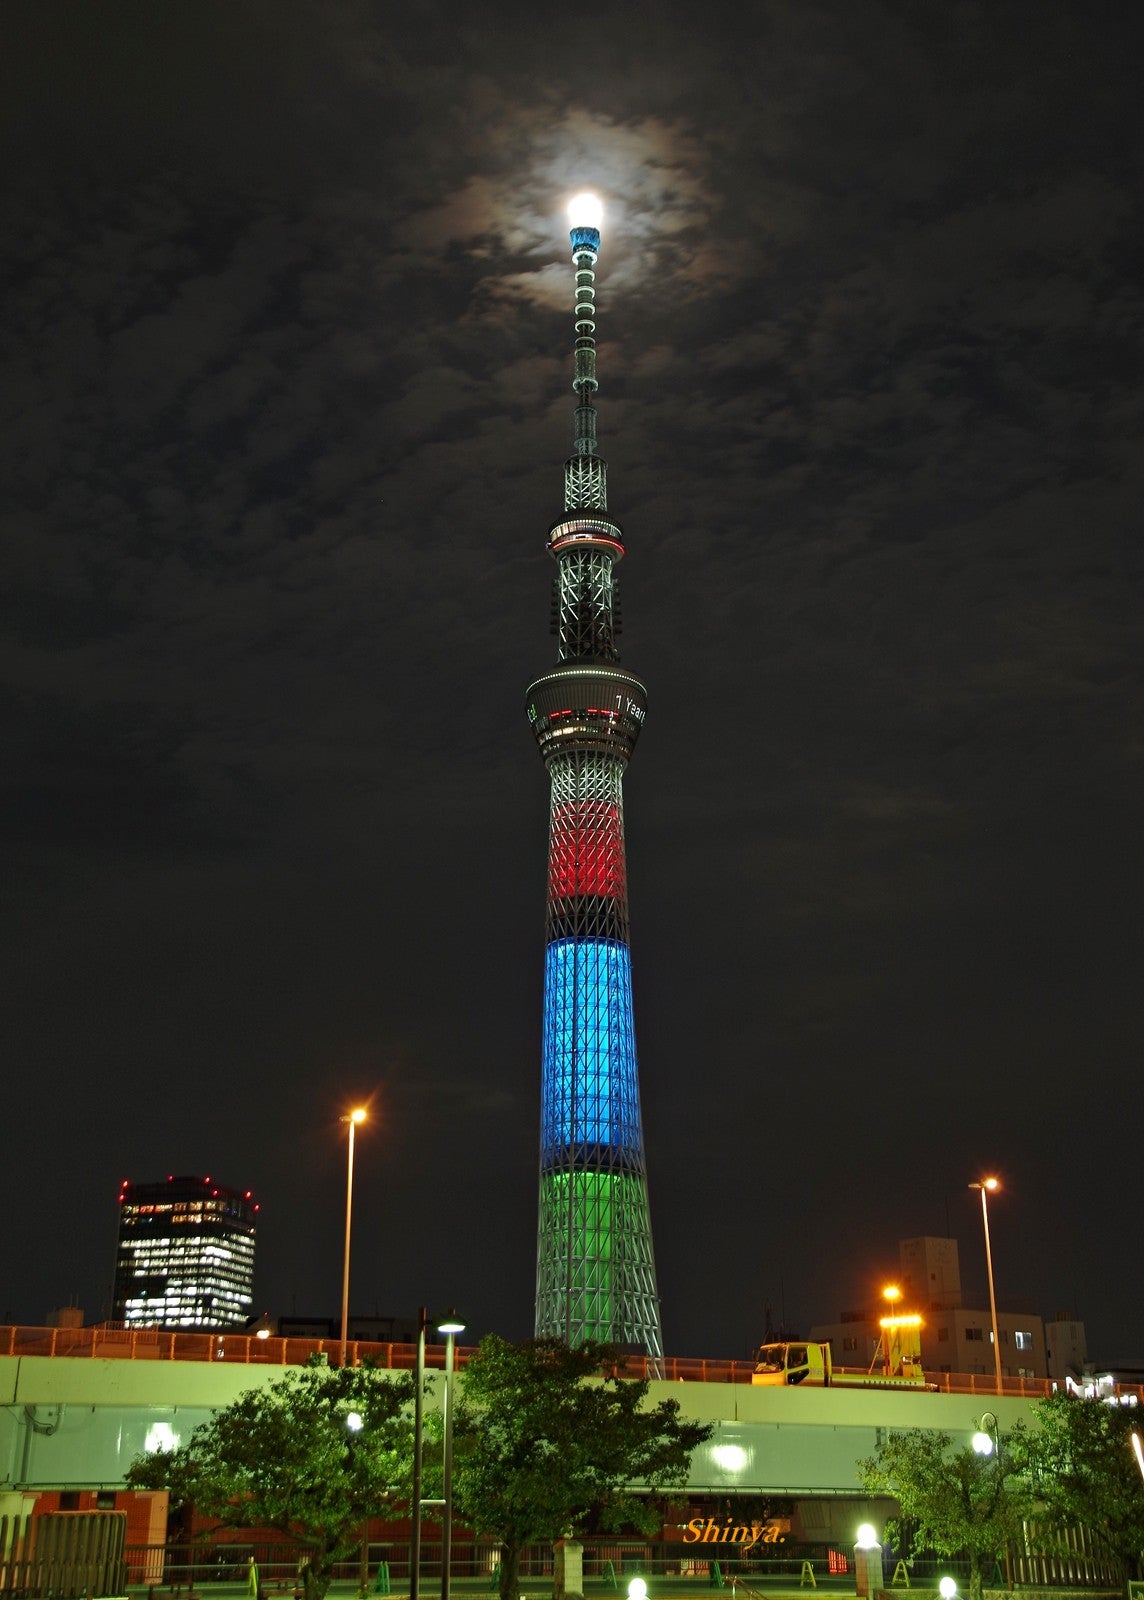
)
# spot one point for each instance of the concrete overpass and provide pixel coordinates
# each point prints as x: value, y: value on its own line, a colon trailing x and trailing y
x: 77, y: 1422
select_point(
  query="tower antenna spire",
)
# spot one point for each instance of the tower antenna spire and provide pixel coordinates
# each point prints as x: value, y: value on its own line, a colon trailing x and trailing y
x: 585, y: 475
x: 595, y: 1270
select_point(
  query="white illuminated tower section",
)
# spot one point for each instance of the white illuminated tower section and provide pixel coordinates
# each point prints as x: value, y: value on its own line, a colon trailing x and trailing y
x: 595, y: 1271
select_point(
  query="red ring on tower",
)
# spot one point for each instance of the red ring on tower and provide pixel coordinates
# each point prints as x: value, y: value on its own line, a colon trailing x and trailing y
x: 598, y: 532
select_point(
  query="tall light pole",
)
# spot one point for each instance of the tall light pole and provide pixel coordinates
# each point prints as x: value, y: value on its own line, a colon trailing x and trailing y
x: 351, y: 1119
x: 418, y: 1446
x: 989, y: 1186
x: 450, y: 1326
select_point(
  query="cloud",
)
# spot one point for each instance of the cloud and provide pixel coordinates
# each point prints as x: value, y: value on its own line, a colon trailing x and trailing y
x: 287, y: 398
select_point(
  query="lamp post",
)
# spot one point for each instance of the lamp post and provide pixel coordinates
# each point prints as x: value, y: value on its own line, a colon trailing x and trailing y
x: 869, y: 1580
x: 355, y: 1422
x: 450, y: 1326
x: 989, y: 1186
x: 415, y: 1508
x: 987, y: 1442
x: 352, y: 1120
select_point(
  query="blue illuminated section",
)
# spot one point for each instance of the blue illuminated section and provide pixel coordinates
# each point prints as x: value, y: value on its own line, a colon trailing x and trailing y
x: 585, y: 239
x: 590, y: 1094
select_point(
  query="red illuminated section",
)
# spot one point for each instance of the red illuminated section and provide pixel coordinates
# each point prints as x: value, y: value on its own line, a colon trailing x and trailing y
x: 586, y: 851
x: 599, y: 532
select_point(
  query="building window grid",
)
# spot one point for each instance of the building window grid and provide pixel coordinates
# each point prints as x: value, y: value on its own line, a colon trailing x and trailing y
x: 185, y: 1261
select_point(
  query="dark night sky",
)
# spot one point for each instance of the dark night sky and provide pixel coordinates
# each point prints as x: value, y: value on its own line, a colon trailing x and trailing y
x: 287, y: 393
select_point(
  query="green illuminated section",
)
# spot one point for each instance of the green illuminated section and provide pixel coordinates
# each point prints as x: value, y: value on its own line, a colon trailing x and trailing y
x: 595, y: 1255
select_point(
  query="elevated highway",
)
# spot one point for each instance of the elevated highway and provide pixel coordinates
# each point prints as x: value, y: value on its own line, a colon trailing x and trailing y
x: 71, y: 1421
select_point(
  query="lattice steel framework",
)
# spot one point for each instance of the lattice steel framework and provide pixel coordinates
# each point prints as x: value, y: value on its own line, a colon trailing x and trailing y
x: 595, y: 1270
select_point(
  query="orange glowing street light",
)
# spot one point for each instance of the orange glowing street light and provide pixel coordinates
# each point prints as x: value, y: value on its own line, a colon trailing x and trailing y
x: 352, y: 1119
x: 990, y: 1186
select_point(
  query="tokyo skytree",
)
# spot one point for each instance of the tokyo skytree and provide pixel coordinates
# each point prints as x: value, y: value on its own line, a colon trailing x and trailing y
x: 595, y: 1269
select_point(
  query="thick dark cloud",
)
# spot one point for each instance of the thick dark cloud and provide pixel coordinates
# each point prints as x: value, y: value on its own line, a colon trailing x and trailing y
x: 287, y: 393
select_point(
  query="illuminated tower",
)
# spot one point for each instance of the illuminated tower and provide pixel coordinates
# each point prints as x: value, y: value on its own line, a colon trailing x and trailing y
x: 595, y: 1271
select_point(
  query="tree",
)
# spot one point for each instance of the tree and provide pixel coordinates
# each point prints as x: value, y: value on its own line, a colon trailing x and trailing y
x: 545, y: 1442
x: 949, y: 1500
x: 1084, y: 1471
x: 292, y: 1457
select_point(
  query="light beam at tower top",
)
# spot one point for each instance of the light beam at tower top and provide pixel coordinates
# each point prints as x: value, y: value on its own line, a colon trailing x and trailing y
x: 586, y: 210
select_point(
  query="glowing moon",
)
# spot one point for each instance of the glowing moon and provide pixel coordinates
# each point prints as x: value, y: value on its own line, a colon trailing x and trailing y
x: 585, y: 211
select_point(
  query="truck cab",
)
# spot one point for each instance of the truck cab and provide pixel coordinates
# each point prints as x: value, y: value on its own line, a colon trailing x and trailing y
x: 792, y: 1363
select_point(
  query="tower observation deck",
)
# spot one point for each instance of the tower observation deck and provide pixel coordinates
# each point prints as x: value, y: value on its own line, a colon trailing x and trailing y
x: 595, y: 1270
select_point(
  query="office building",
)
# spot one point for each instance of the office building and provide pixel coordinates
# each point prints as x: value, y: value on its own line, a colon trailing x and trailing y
x: 185, y: 1257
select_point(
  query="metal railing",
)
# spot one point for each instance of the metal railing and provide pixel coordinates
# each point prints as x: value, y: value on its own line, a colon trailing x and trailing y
x: 152, y: 1344
x: 62, y: 1555
x: 223, y: 1568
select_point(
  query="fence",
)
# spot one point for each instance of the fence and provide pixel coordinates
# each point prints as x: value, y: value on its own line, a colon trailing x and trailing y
x: 71, y: 1566
x: 151, y: 1344
x: 64, y: 1554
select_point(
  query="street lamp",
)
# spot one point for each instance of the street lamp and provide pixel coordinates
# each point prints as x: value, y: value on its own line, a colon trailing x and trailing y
x: 450, y: 1325
x: 987, y: 1439
x: 415, y: 1509
x: 352, y: 1120
x: 989, y: 1186
x: 987, y: 1442
x: 355, y: 1422
x: 868, y: 1577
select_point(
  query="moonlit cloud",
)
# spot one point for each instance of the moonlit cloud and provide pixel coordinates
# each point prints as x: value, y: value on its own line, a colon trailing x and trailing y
x: 287, y: 395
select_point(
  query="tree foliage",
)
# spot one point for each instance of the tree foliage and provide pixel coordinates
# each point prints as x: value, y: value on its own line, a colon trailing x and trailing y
x: 286, y: 1458
x: 950, y: 1500
x: 1083, y: 1470
x: 545, y: 1442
